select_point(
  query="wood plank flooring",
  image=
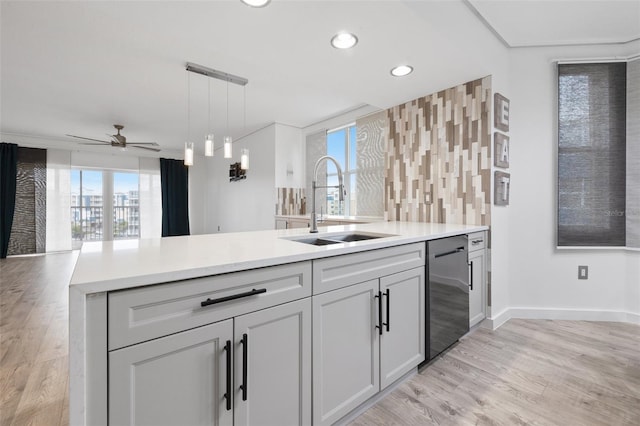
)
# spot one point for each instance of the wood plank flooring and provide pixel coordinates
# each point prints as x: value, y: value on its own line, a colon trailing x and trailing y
x: 528, y: 372
x: 34, y: 316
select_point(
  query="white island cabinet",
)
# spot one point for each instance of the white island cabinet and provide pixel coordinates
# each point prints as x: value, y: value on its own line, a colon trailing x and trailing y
x: 366, y: 335
x: 249, y: 328
x: 225, y: 373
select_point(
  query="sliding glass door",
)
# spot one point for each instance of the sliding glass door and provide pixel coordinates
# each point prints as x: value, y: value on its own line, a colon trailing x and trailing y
x: 104, y: 205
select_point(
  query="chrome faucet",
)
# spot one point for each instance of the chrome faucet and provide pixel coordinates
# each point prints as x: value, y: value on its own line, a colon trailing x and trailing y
x: 340, y: 186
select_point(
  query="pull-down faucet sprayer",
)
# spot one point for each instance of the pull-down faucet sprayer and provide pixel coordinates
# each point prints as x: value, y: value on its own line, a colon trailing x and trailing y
x: 340, y: 186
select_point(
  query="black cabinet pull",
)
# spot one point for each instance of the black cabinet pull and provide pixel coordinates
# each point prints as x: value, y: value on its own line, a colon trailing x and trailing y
x: 388, y: 294
x: 243, y: 387
x: 227, y: 395
x: 379, y: 297
x: 471, y: 280
x: 233, y: 297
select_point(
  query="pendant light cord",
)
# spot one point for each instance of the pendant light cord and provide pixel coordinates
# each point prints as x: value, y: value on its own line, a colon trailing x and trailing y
x: 209, y: 115
x: 228, y: 108
x: 189, y: 108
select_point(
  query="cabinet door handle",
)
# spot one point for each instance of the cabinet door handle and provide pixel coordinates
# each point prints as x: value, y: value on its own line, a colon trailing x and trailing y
x: 233, y: 297
x: 379, y: 297
x: 243, y: 386
x: 476, y: 242
x: 471, y: 280
x: 387, y: 324
x: 227, y: 395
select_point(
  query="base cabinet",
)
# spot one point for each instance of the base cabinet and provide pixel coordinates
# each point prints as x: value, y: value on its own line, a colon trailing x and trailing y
x: 178, y: 379
x: 252, y: 369
x: 365, y: 336
x: 478, y: 278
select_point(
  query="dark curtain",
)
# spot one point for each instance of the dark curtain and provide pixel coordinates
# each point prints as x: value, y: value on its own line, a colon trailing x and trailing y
x: 8, y: 172
x: 174, y: 180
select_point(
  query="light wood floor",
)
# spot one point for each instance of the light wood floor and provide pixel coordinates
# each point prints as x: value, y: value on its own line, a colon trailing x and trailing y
x: 533, y: 372
x: 34, y: 339
x: 528, y: 372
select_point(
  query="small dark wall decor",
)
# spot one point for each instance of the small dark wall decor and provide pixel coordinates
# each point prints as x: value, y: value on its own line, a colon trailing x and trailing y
x: 500, y: 112
x: 501, y: 188
x: 236, y: 173
x: 501, y: 150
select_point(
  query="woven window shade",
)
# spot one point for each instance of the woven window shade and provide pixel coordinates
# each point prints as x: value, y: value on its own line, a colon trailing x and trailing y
x: 591, y: 154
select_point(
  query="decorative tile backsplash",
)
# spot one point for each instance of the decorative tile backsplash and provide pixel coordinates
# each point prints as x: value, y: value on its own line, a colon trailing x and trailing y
x: 438, y: 160
x: 291, y: 201
x: 371, y: 146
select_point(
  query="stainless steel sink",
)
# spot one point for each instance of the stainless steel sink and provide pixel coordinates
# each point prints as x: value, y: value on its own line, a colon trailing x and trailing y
x: 328, y: 239
x: 316, y: 241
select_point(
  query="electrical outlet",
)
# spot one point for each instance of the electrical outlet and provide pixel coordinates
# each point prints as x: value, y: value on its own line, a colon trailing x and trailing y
x: 583, y: 272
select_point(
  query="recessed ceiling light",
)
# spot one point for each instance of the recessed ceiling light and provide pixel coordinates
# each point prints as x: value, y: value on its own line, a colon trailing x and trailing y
x: 344, y: 40
x: 401, y: 70
x: 256, y: 3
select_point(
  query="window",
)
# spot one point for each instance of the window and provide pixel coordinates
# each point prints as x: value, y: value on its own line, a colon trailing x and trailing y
x: 591, y: 154
x: 342, y: 145
x: 104, y: 205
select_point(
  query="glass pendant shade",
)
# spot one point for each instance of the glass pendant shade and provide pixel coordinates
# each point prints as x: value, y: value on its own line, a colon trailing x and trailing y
x: 208, y: 146
x: 244, y: 159
x: 227, y: 147
x: 188, y: 153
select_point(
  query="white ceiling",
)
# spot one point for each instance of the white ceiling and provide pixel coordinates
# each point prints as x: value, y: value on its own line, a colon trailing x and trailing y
x: 79, y: 67
x: 525, y: 23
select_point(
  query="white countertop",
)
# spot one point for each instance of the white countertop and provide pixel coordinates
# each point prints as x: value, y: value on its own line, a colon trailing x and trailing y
x: 115, y: 265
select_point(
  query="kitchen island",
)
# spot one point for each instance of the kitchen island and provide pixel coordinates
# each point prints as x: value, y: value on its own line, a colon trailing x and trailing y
x: 118, y: 312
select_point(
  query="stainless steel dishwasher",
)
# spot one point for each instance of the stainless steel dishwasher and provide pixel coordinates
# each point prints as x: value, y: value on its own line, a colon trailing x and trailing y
x: 448, y: 293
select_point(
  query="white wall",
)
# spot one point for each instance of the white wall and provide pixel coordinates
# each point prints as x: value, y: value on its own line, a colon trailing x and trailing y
x: 289, y: 157
x: 542, y: 279
x: 245, y: 205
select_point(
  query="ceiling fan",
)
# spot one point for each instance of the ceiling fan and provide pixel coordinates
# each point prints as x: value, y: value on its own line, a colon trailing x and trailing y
x: 119, y: 141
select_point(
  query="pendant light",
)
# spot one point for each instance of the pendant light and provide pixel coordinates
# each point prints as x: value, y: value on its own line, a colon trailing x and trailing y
x: 188, y: 146
x: 244, y: 154
x: 208, y: 143
x: 227, y: 139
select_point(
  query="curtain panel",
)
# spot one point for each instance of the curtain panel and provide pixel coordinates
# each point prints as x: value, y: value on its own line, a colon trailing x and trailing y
x: 8, y: 174
x: 174, y: 180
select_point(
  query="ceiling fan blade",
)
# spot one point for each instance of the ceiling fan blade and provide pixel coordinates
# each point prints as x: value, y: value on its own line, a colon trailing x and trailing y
x: 144, y: 147
x: 89, y: 139
x: 143, y: 143
x: 101, y: 144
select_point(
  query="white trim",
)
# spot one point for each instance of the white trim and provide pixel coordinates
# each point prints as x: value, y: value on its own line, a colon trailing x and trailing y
x: 497, y: 320
x: 605, y: 248
x: 595, y: 60
x: 563, y: 314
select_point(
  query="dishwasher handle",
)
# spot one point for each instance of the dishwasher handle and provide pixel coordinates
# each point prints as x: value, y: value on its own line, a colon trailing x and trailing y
x: 447, y: 253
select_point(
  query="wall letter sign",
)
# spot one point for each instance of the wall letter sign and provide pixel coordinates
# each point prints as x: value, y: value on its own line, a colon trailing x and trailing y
x: 500, y: 112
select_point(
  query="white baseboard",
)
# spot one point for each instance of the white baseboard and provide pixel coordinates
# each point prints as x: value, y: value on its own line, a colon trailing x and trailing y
x: 562, y: 314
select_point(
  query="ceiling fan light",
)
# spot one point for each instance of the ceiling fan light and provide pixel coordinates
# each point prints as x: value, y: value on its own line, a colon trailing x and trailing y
x: 227, y: 147
x: 188, y: 153
x: 208, y: 146
x: 401, y: 70
x: 256, y: 3
x: 344, y: 40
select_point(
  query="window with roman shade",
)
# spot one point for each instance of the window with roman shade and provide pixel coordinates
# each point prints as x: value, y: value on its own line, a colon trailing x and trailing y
x: 591, y: 154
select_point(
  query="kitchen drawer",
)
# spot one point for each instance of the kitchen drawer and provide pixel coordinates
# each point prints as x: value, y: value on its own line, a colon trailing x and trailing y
x: 477, y: 241
x: 146, y: 313
x: 336, y: 272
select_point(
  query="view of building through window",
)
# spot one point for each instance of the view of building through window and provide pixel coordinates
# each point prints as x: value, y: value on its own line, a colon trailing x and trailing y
x: 341, y: 145
x: 93, y: 218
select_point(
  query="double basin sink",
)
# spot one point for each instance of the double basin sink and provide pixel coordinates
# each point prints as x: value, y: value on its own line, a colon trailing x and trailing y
x: 329, y: 239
